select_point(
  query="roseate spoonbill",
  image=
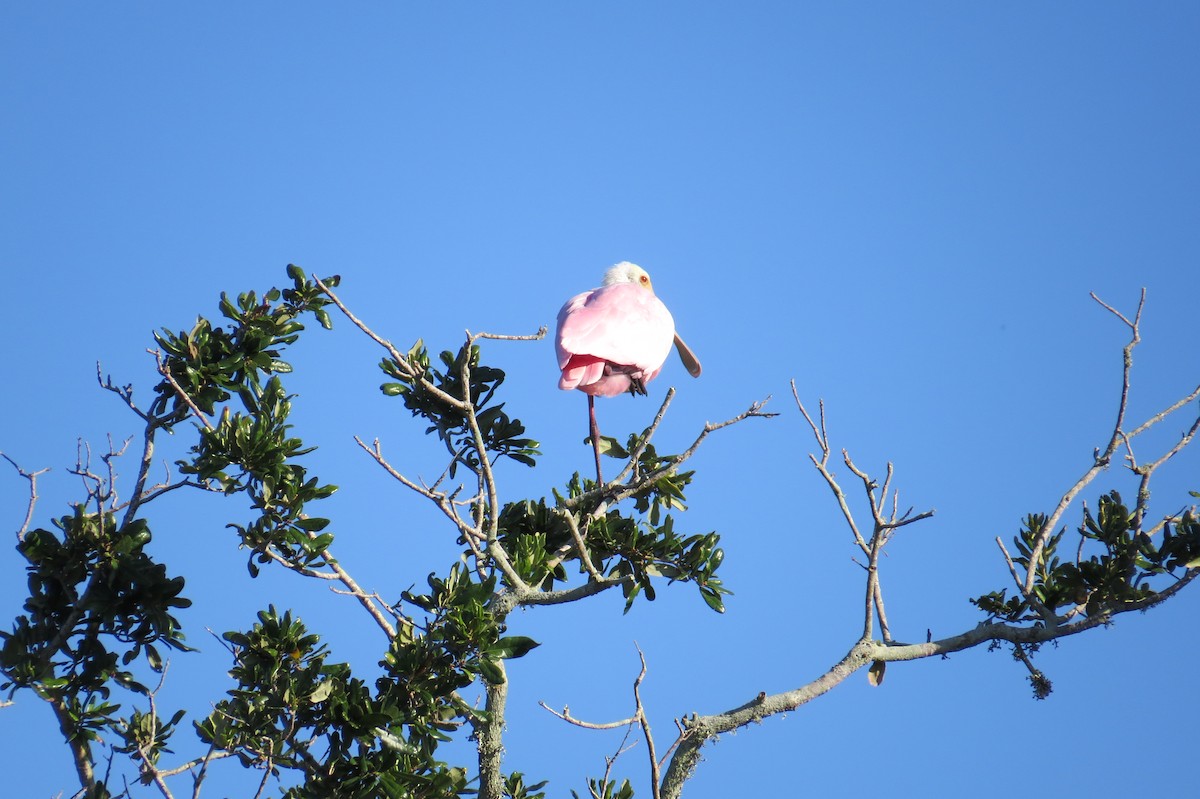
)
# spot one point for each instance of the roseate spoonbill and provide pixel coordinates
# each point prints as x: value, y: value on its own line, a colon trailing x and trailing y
x: 614, y: 339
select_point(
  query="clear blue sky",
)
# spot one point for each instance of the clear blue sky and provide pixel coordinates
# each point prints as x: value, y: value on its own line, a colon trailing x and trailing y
x: 901, y: 206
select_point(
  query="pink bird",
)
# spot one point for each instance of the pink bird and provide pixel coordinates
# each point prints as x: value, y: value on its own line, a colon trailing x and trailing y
x: 615, y: 339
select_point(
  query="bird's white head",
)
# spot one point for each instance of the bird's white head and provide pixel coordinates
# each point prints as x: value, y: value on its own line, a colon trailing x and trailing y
x: 626, y: 272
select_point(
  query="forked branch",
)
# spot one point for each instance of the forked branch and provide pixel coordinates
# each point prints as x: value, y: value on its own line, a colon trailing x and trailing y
x: 697, y: 730
x: 639, y: 717
x: 1102, y: 458
x: 32, y: 477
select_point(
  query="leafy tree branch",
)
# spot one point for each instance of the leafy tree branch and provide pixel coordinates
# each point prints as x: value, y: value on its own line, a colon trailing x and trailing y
x: 101, y: 611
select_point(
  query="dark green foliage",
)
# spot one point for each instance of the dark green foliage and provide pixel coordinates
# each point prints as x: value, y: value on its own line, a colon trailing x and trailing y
x: 1118, y: 571
x: 251, y: 450
x: 515, y: 787
x: 97, y: 599
x: 639, y: 546
x: 533, y: 533
x: 462, y: 637
x: 501, y: 435
x: 97, y: 602
x: 644, y: 545
x: 264, y: 455
x: 146, y: 732
x: 1180, y: 547
x: 210, y: 363
x: 607, y: 789
x: 1119, y: 574
x: 291, y: 710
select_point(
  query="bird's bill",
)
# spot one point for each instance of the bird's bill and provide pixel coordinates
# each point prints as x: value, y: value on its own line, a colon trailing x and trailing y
x: 690, y: 362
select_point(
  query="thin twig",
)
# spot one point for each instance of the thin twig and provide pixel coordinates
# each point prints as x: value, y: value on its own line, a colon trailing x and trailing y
x: 400, y: 360
x: 616, y: 493
x: 907, y: 520
x: 646, y: 437
x: 179, y: 392
x: 540, y: 334
x: 487, y: 475
x: 1100, y: 463
x: 33, y: 495
x: 139, y: 494
x: 200, y: 761
x: 1012, y: 567
x: 584, y: 554
x: 444, y: 502
x: 124, y: 392
x: 821, y: 436
x: 655, y: 788
x: 198, y: 780
x: 305, y: 571
x: 566, y: 716
x: 1158, y: 417
x: 611, y: 760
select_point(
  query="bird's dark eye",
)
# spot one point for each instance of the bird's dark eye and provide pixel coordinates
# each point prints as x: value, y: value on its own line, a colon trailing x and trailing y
x: 644, y: 279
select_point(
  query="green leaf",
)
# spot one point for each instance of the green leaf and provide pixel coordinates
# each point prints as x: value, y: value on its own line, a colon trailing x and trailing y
x: 610, y: 447
x: 321, y: 692
x: 513, y: 646
x: 491, y: 671
x: 714, y: 601
x: 153, y: 658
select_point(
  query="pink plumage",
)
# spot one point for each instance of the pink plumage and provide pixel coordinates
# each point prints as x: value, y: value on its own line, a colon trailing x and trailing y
x: 615, y: 338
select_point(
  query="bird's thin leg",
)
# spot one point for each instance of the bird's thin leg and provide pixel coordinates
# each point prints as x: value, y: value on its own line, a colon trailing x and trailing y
x: 595, y: 432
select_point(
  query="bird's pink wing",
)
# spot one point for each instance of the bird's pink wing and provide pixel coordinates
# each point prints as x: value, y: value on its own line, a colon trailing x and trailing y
x: 623, y: 324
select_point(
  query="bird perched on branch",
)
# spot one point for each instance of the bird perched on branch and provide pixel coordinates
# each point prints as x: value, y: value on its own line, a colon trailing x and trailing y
x: 615, y: 339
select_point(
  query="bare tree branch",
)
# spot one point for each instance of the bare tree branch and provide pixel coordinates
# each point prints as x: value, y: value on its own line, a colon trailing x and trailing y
x: 699, y: 729
x: 139, y: 494
x: 696, y: 730
x: 401, y: 360
x: 646, y: 437
x: 580, y: 546
x: 822, y: 466
x: 615, y: 492
x: 566, y: 716
x: 472, y: 534
x: 639, y: 717
x: 33, y: 495
x: 1099, y: 464
x: 540, y: 334
x: 655, y: 788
